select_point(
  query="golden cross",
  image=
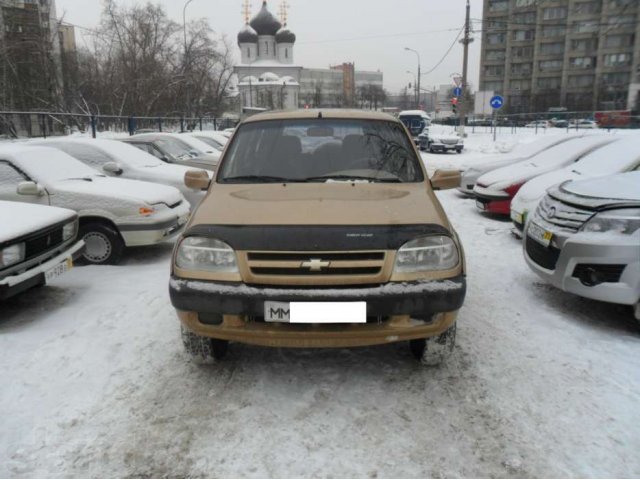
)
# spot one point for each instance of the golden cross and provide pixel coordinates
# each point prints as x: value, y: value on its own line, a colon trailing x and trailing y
x: 284, y: 11
x: 246, y: 10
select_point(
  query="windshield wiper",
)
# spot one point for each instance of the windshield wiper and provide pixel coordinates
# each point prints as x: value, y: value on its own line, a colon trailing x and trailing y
x: 261, y: 179
x: 354, y: 177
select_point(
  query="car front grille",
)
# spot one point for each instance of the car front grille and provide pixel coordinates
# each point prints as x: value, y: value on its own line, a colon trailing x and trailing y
x: 43, y: 242
x: 546, y: 257
x: 562, y: 215
x: 315, y: 268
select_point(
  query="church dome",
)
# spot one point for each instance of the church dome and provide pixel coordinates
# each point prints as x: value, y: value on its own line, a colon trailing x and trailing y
x: 264, y: 23
x: 284, y: 35
x: 247, y: 35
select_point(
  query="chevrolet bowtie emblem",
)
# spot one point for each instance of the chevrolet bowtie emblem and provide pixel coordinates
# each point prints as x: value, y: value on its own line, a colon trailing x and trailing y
x: 315, y: 264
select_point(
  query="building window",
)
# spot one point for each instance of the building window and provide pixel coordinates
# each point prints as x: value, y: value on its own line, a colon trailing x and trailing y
x: 527, y: 18
x: 553, y: 30
x: 493, y: 86
x: 248, y: 53
x: 582, y: 62
x: 266, y: 48
x: 520, y: 85
x: 521, y: 69
x: 621, y: 78
x: 525, y: 3
x: 617, y: 60
x: 620, y: 3
x: 549, y: 83
x: 522, y: 52
x: 496, y: 38
x: 494, y: 70
x: 286, y: 53
x: 522, y: 35
x: 622, y: 20
x: 549, y: 65
x: 496, y: 55
x: 586, y: 27
x: 587, y: 7
x: 498, y: 5
x: 580, y: 80
x: 556, y: 48
x: 554, y: 13
x: 585, y: 44
x: 617, y: 41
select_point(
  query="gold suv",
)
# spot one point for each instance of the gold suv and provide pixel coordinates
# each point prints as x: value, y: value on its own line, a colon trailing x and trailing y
x: 320, y: 228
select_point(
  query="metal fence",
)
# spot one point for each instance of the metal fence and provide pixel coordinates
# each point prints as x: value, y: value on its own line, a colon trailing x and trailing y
x: 47, y: 124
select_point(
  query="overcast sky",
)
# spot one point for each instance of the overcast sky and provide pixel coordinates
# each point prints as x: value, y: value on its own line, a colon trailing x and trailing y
x: 371, y: 33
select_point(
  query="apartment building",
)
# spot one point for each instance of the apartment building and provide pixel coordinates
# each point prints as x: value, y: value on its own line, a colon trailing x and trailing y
x: 583, y: 55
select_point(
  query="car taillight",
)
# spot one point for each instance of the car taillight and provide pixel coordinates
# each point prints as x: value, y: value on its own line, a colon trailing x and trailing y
x: 513, y: 189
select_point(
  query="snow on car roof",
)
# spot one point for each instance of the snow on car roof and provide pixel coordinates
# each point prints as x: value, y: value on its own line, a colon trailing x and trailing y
x: 621, y: 186
x: 18, y: 219
x: 119, y: 151
x: 193, y: 142
x: 45, y: 164
x: 615, y: 157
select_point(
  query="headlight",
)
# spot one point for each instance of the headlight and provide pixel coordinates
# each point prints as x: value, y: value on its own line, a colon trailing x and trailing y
x: 69, y: 230
x: 624, y: 220
x: 12, y: 255
x: 208, y: 254
x: 438, y: 252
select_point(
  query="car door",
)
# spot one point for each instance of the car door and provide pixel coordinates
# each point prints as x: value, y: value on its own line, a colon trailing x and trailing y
x: 10, y: 178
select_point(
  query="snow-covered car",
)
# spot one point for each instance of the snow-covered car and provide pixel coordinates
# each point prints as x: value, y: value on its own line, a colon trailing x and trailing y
x: 623, y: 155
x: 494, y: 190
x: 584, y: 238
x: 118, y: 159
x: 443, y: 142
x: 114, y: 213
x: 522, y: 151
x: 588, y: 124
x: 174, y: 148
x: 538, y: 124
x: 215, y: 139
x: 37, y: 244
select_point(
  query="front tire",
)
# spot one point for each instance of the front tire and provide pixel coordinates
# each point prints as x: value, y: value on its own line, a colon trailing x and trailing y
x: 103, y: 245
x: 434, y: 351
x: 203, y: 350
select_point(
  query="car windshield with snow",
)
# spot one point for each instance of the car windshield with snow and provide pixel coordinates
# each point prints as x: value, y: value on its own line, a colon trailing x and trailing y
x: 331, y: 236
x: 113, y: 213
x: 176, y: 149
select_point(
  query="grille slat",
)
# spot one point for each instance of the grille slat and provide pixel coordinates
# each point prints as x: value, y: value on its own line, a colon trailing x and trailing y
x: 546, y: 257
x: 40, y: 244
x: 562, y: 215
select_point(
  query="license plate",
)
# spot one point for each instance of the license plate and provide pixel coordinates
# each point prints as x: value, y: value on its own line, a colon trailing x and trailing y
x: 539, y: 234
x: 315, y: 312
x: 58, y: 270
x: 516, y: 217
x: 480, y: 205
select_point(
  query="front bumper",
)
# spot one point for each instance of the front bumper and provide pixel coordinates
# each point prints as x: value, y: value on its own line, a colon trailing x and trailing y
x: 155, y: 231
x: 35, y: 276
x: 444, y: 147
x: 241, y: 306
x: 582, y: 257
x: 491, y: 201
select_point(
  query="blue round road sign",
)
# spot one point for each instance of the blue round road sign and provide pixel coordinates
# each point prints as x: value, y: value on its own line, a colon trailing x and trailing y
x: 496, y: 101
x: 457, y: 92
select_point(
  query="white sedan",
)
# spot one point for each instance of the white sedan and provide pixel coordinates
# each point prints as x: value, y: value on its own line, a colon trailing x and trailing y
x: 118, y: 159
x: 623, y: 155
x: 113, y: 213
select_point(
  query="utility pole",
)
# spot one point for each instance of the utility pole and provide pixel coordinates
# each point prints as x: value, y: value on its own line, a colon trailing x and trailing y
x: 462, y: 107
x: 417, y: 83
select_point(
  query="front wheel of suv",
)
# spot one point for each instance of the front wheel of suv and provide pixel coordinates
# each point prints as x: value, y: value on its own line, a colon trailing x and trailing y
x: 203, y: 350
x: 435, y: 350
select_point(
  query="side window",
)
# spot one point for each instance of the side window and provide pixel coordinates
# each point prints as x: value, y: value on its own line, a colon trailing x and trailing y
x: 87, y: 154
x: 9, y: 179
x: 156, y: 153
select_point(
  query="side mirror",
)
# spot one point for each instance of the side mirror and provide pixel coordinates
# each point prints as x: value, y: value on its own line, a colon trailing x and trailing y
x: 112, y: 167
x: 197, y: 179
x: 29, y: 188
x: 194, y: 153
x: 445, y: 179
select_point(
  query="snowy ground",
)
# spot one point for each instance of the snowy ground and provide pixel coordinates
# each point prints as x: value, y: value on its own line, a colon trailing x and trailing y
x: 542, y: 384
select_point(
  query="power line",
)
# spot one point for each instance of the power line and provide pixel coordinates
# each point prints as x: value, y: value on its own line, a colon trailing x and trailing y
x: 446, y: 53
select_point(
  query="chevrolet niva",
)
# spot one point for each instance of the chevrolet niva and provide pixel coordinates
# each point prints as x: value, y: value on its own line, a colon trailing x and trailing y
x: 330, y: 236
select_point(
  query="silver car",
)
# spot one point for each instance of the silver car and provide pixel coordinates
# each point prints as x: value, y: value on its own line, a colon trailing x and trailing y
x: 584, y: 238
x: 171, y: 149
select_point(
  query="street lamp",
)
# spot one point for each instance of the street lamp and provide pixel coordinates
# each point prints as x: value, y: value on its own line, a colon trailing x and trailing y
x: 418, y: 80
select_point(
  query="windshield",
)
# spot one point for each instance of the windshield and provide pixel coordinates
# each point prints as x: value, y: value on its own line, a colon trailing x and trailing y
x: 174, y: 147
x: 320, y: 150
x: 128, y: 154
x: 211, y: 142
x: 414, y: 123
x: 619, y: 156
x: 49, y: 165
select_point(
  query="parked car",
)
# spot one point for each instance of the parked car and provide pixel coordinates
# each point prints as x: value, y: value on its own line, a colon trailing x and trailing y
x: 113, y: 213
x: 37, y: 244
x: 538, y: 124
x: 215, y: 139
x: 444, y: 142
x: 351, y: 234
x: 584, y: 123
x: 170, y: 149
x: 584, y: 238
x: 521, y: 152
x: 118, y: 159
x: 623, y: 155
x: 494, y: 190
x: 415, y: 121
x: 202, y: 148
x: 560, y: 123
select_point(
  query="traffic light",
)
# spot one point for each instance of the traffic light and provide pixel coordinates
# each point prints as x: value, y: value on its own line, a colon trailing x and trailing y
x: 454, y: 104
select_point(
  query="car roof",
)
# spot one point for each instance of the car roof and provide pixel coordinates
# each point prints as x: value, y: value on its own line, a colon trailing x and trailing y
x: 321, y: 113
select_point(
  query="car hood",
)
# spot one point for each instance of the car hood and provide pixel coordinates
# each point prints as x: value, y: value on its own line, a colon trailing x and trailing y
x: 338, y: 203
x: 119, y: 189
x: 622, y: 186
x: 444, y: 136
x: 19, y: 219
